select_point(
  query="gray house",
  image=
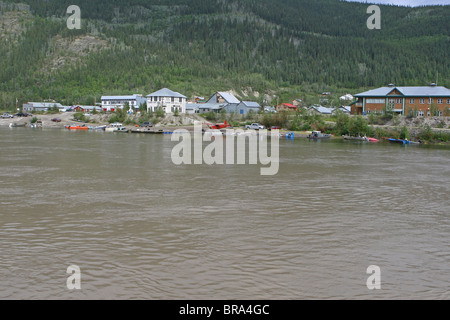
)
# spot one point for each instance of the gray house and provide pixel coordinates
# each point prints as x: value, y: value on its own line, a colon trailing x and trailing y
x: 244, y: 107
x: 220, y: 101
x: 41, y: 106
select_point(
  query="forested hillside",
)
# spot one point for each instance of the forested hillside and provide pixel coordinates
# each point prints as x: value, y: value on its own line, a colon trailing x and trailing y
x: 262, y: 48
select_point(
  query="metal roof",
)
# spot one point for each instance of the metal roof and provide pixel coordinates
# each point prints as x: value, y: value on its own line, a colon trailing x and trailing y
x: 229, y: 97
x: 321, y: 109
x: 166, y: 93
x: 428, y: 91
x: 212, y: 106
x: 133, y: 97
x: 251, y: 104
x: 192, y: 106
x: 45, y: 104
x: 289, y: 105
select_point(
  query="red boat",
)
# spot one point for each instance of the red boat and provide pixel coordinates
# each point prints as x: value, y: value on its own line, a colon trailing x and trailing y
x: 373, y: 140
x: 77, y: 128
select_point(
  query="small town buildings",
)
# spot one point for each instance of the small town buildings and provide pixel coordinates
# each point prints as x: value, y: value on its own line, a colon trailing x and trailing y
x: 245, y: 107
x: 286, y: 106
x: 208, y: 107
x: 41, y: 106
x: 113, y: 103
x: 170, y: 101
x: 347, y: 97
x: 316, y: 109
x: 84, y: 108
x: 220, y: 101
x: 298, y: 102
x: 192, y: 108
x: 402, y: 100
x: 270, y: 109
x: 344, y: 109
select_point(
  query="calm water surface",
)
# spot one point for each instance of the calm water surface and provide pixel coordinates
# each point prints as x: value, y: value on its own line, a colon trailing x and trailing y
x: 140, y: 227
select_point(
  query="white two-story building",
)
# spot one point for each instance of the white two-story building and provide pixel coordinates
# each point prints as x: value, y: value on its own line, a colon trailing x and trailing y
x: 168, y: 100
x: 113, y: 103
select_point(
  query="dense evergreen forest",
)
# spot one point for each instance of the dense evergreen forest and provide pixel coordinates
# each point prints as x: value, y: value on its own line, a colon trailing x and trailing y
x: 283, y: 48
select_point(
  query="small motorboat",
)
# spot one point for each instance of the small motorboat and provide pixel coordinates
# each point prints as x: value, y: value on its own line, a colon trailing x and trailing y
x: 373, y: 140
x: 71, y: 127
x: 319, y: 135
x: 359, y: 138
x: 113, y: 127
x: 122, y: 130
x: 97, y: 128
x: 17, y: 125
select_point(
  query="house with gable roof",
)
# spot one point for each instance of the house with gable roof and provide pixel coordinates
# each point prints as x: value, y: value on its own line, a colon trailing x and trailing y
x: 401, y: 100
x: 170, y: 101
x: 219, y: 101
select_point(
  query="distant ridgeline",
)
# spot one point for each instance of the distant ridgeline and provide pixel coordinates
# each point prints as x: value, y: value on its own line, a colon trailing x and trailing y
x: 199, y: 46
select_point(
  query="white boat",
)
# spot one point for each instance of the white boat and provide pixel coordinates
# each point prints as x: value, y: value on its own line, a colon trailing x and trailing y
x: 98, y: 128
x: 16, y: 125
x: 113, y: 127
x: 122, y: 129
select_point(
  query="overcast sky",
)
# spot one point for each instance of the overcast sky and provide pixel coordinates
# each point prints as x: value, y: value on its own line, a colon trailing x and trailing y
x: 411, y: 3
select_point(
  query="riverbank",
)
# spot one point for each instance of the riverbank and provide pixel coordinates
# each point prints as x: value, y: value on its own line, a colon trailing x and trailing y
x: 431, y: 130
x: 67, y: 118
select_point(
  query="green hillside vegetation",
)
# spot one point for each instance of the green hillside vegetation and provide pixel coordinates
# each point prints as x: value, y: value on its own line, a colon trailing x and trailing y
x: 271, y: 51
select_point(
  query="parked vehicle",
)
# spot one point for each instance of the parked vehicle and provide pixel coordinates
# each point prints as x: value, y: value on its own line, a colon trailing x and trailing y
x: 22, y: 114
x: 56, y: 120
x: 274, y: 128
x: 6, y: 115
x: 255, y: 126
x: 146, y: 124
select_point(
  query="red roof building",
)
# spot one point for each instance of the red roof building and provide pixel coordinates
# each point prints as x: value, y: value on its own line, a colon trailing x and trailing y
x: 286, y: 106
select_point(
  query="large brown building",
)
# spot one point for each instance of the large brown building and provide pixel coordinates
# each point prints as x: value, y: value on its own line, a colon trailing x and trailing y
x: 403, y: 100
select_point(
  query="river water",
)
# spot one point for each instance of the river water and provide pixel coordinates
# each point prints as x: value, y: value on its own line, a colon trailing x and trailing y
x: 140, y: 227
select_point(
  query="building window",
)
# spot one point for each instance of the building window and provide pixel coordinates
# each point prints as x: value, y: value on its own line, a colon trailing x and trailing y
x: 398, y: 100
x: 420, y: 113
x: 430, y: 100
x: 173, y: 99
x: 440, y: 101
x: 379, y: 101
x: 180, y: 100
x: 422, y: 101
x: 448, y: 101
x: 412, y: 101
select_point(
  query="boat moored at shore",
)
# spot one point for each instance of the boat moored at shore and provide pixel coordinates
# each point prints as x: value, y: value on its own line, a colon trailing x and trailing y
x: 319, y: 135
